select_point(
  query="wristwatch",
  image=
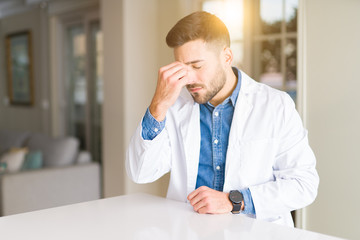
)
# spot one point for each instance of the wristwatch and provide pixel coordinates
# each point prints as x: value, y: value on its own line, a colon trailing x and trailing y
x: 236, y: 199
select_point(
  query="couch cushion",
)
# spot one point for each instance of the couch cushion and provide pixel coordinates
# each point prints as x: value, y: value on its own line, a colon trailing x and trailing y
x: 10, y: 139
x: 56, y: 151
x: 14, y: 159
x: 33, y: 160
x: 83, y: 157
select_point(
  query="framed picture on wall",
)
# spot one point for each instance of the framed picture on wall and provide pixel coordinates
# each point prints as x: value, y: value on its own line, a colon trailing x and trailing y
x: 20, y: 68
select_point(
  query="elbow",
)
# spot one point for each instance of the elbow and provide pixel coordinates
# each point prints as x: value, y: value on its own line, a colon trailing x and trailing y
x: 310, y: 188
x: 132, y: 170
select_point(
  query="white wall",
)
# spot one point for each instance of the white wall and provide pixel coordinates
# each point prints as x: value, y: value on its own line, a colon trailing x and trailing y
x: 141, y: 57
x: 113, y: 106
x: 134, y: 50
x: 332, y: 63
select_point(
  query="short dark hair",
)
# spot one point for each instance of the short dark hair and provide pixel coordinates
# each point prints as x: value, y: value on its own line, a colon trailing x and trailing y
x: 198, y: 25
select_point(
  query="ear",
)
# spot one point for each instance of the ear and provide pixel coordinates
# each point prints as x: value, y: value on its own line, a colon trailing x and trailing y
x: 228, y: 56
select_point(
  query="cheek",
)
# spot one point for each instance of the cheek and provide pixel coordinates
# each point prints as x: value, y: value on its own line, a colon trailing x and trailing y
x: 206, y: 74
x: 202, y: 78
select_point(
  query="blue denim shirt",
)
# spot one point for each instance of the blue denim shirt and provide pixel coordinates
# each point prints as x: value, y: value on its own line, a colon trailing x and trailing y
x: 215, y: 123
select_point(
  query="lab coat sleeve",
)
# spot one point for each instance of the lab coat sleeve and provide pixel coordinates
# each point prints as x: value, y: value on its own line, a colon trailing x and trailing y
x: 148, y: 160
x: 295, y: 177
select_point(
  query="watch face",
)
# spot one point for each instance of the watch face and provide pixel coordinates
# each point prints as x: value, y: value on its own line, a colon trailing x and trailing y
x: 235, y: 196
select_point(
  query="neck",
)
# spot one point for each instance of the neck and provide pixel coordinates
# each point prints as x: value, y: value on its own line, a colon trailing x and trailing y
x: 228, y: 88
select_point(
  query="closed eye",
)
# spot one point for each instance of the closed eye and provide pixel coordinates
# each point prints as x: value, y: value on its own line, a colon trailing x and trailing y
x: 196, y: 67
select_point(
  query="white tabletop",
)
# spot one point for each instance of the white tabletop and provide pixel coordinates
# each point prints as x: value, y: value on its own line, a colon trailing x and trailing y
x: 141, y: 216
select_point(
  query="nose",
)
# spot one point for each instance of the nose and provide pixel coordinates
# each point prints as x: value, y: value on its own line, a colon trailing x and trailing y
x: 191, y: 76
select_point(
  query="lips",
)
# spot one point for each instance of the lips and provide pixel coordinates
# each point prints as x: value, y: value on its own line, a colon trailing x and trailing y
x: 196, y: 89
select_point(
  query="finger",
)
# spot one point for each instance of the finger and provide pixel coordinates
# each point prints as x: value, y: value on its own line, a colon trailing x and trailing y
x: 175, y: 74
x: 197, y: 191
x: 193, y: 194
x: 200, y: 197
x: 203, y: 210
x: 167, y: 67
x: 200, y: 207
x: 171, y: 68
x: 196, y: 199
x: 179, y: 75
x: 184, y: 80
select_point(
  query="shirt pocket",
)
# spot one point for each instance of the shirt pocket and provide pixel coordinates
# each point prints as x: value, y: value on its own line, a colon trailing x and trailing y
x: 251, y: 162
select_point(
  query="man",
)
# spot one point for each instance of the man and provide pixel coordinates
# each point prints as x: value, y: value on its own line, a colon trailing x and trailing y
x: 232, y: 144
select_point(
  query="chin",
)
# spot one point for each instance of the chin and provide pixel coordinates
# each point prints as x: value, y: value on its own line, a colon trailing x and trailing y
x: 199, y: 100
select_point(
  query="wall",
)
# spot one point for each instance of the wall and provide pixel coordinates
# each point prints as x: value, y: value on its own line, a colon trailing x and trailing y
x: 142, y: 38
x: 137, y: 29
x: 35, y: 118
x: 332, y: 61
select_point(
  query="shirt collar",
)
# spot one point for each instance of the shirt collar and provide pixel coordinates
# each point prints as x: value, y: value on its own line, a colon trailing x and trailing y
x: 236, y: 91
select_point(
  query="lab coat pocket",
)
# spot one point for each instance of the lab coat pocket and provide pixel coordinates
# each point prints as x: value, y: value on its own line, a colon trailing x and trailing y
x: 251, y: 162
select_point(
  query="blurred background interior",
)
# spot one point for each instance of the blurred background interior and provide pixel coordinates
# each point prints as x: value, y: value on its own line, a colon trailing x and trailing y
x: 77, y: 76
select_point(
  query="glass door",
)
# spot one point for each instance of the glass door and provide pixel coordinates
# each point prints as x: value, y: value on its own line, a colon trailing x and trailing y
x: 76, y: 86
x: 84, y: 85
x: 96, y: 89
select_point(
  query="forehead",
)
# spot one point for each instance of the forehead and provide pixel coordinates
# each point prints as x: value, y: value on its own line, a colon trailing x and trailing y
x: 193, y: 51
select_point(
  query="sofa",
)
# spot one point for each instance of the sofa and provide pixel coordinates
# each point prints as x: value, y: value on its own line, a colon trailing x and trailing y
x: 38, y: 172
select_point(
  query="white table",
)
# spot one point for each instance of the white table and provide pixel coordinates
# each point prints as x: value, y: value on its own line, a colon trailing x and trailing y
x: 141, y: 216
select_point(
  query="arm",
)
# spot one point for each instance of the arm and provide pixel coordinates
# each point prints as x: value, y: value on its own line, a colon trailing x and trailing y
x: 207, y: 200
x: 151, y: 127
x: 149, y: 153
x: 296, y: 179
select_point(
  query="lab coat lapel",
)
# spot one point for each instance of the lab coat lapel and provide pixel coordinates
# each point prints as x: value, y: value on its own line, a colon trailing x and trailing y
x: 190, y: 130
x: 242, y: 111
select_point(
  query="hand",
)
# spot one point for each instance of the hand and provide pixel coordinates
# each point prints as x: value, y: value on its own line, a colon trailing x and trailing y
x: 207, y: 200
x: 171, y: 79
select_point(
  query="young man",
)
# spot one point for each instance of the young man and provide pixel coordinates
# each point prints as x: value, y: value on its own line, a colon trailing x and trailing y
x: 231, y: 143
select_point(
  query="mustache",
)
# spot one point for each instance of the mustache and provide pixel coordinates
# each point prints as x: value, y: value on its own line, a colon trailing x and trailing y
x: 194, y: 86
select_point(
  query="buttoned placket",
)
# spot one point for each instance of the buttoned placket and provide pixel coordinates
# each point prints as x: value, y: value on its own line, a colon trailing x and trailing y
x: 217, y: 147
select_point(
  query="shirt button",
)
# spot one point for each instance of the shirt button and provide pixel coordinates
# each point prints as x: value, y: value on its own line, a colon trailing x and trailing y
x: 216, y: 141
x: 156, y: 130
x: 217, y: 167
x: 216, y: 114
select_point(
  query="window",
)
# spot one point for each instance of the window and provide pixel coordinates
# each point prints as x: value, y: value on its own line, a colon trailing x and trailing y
x: 231, y: 13
x: 271, y: 30
x: 275, y: 43
x: 83, y: 85
x: 272, y: 33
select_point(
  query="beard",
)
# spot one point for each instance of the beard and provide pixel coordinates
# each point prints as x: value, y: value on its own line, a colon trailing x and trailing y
x: 215, y: 85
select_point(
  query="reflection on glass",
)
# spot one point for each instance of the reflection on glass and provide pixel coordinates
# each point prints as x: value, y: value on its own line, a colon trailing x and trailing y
x: 77, y: 94
x: 291, y: 73
x: 270, y: 16
x: 291, y: 7
x: 270, y: 60
x: 96, y: 61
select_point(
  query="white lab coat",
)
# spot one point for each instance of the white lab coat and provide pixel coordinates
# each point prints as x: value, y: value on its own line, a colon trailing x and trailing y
x: 268, y: 152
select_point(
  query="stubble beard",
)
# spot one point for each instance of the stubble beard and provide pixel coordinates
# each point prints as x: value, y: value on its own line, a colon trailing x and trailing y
x: 215, y: 85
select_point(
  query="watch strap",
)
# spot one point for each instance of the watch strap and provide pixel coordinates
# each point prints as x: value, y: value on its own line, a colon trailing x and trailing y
x: 236, y: 208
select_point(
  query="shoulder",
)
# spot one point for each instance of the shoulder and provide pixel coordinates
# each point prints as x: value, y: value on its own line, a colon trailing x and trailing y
x: 260, y: 93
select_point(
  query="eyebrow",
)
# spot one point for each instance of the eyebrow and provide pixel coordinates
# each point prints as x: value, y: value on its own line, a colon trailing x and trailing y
x: 195, y: 61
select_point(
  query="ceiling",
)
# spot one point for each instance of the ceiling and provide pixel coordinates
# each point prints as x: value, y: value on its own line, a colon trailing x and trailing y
x: 10, y: 7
